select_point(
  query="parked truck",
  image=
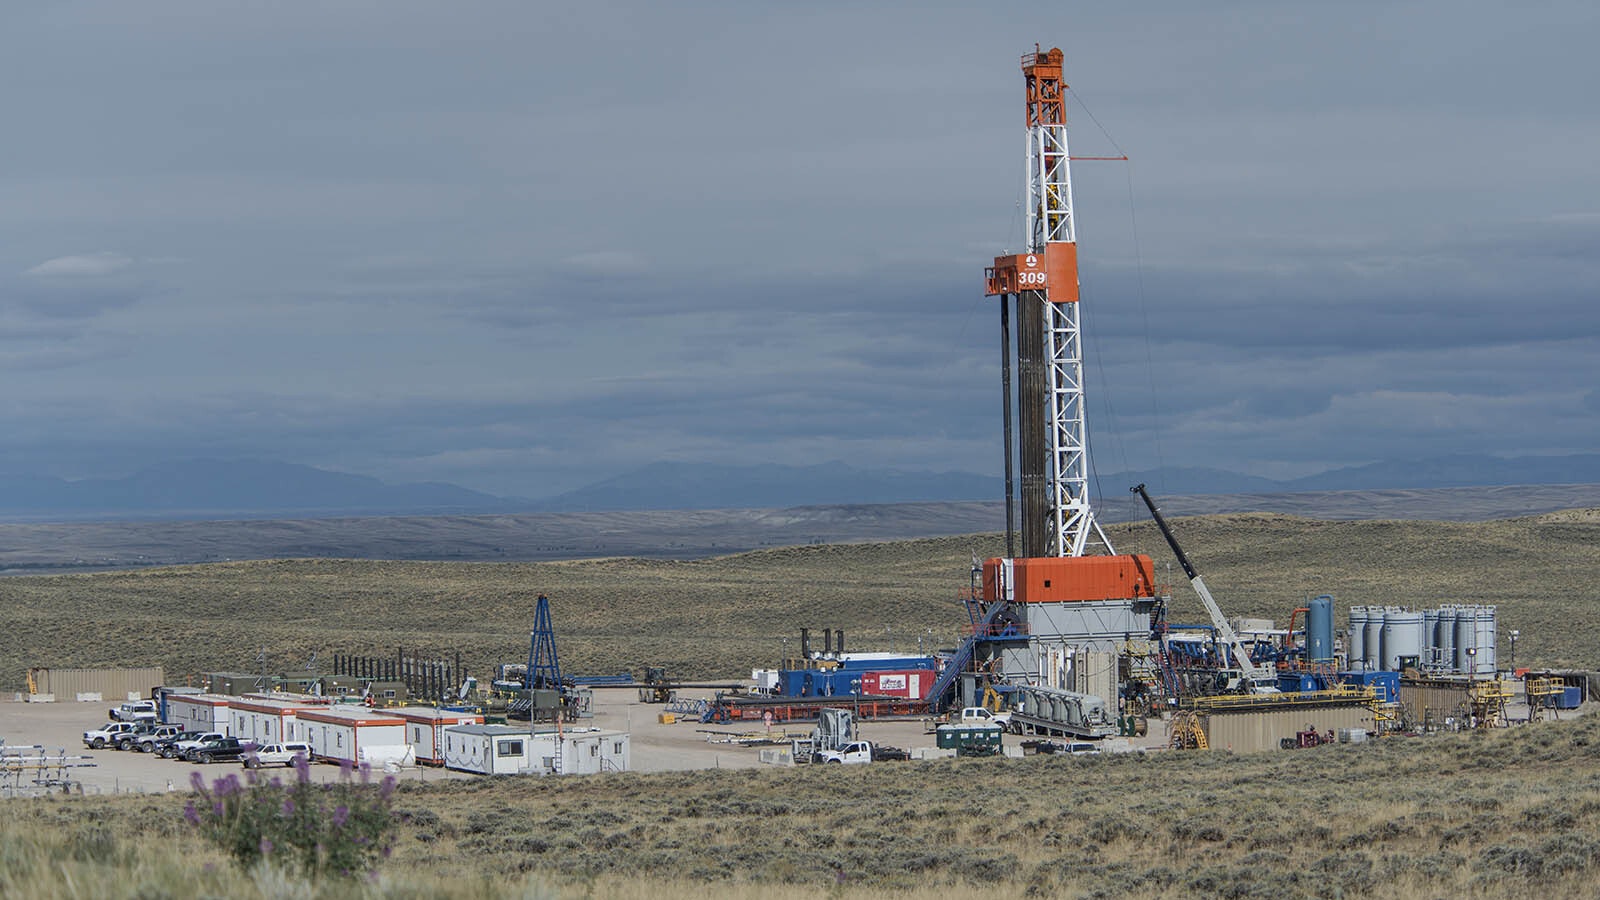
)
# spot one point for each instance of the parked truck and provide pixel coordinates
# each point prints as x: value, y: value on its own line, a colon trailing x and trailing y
x: 223, y: 749
x: 146, y: 742
x: 851, y: 753
x: 135, y: 711
x: 108, y: 734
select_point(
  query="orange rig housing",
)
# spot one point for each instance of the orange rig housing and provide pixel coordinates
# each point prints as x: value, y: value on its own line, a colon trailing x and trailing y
x: 1068, y: 579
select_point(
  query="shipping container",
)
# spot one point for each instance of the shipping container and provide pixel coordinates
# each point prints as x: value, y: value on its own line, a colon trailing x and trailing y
x: 235, y: 684
x: 425, y: 729
x: 1248, y: 731
x: 351, y: 733
x: 915, y: 683
x: 113, y: 685
x: 1068, y: 579
x: 201, y: 712
x: 1437, y: 703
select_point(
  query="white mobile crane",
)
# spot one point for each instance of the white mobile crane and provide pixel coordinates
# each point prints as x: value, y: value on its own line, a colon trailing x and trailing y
x: 1254, y: 679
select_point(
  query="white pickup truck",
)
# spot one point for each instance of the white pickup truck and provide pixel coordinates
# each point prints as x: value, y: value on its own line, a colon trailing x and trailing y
x: 181, y: 749
x: 980, y: 715
x: 108, y: 734
x: 853, y: 752
x: 135, y: 711
x: 277, y: 755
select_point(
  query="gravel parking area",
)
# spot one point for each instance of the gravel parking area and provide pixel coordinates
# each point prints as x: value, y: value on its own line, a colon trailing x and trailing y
x: 655, y: 747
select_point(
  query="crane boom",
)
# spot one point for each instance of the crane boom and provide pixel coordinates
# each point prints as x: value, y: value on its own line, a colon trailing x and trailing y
x: 1260, y: 680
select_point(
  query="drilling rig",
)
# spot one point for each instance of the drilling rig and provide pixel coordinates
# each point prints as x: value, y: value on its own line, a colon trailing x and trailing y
x: 1071, y: 603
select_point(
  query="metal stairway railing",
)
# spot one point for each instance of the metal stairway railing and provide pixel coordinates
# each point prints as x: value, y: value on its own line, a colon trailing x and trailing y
x: 958, y: 663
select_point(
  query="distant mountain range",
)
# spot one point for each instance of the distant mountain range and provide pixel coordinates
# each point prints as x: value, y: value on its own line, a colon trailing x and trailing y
x: 1458, y: 470
x: 202, y: 488
x: 196, y: 489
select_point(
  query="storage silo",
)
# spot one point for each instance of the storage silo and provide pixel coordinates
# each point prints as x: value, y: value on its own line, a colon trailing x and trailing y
x: 1355, y: 647
x: 1485, y: 663
x: 1319, y: 629
x: 1402, y: 636
x: 1445, y: 639
x: 1466, y: 638
x: 1430, y: 637
x: 1373, y: 647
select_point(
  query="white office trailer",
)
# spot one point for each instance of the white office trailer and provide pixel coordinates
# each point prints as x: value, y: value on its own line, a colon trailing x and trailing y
x: 425, y: 729
x: 354, y: 734
x: 201, y: 712
x: 517, y: 750
x: 270, y: 720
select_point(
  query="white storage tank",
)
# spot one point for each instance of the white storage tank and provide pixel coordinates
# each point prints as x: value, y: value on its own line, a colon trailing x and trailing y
x: 1466, y: 638
x: 1373, y: 645
x: 1445, y: 639
x: 1485, y: 662
x: 1430, y: 636
x: 1355, y: 651
x: 1402, y: 636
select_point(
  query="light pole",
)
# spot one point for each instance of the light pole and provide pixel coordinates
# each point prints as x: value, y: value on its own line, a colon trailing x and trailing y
x: 1513, y: 663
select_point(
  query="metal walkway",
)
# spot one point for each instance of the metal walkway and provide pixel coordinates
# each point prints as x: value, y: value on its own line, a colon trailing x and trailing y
x: 981, y: 631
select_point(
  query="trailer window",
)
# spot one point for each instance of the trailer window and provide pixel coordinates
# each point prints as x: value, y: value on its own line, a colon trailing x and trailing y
x: 509, y: 748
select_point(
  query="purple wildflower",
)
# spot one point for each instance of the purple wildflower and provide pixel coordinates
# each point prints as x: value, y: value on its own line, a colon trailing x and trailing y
x: 302, y: 768
x: 191, y: 814
x: 345, y: 768
x: 341, y: 814
x: 197, y: 781
x: 216, y: 809
x: 266, y: 847
x: 387, y: 787
x: 227, y: 787
x: 288, y: 807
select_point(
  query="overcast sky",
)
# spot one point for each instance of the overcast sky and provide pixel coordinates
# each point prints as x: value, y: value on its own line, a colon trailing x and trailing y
x: 524, y: 246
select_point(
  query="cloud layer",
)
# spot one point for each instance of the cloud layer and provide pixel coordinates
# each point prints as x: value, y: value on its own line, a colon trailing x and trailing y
x: 522, y: 248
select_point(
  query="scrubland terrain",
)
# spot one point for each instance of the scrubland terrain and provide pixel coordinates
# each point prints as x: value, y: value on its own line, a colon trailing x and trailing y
x: 1509, y: 814
x: 1513, y: 813
x: 721, y: 616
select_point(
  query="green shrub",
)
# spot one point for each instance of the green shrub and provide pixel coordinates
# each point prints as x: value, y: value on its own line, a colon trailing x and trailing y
x: 339, y: 829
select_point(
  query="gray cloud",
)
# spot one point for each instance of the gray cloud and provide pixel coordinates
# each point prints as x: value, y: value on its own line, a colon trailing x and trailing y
x: 521, y: 248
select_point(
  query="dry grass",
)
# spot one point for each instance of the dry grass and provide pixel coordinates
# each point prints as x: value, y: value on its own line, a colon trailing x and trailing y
x: 1508, y: 814
x: 720, y: 617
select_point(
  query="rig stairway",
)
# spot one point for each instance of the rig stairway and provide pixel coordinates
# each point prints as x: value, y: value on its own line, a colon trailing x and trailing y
x: 981, y: 625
